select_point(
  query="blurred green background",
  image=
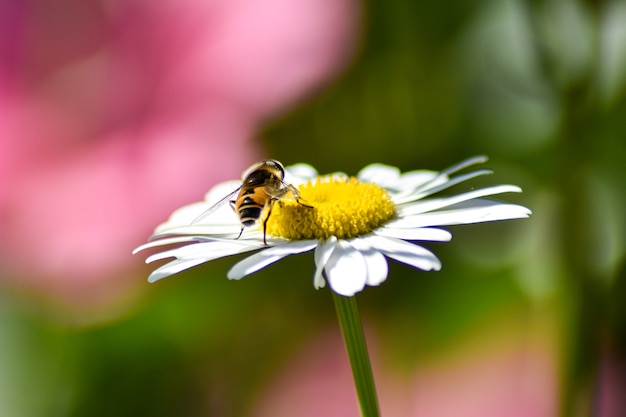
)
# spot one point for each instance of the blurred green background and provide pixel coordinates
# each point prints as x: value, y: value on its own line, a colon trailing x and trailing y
x: 539, y: 87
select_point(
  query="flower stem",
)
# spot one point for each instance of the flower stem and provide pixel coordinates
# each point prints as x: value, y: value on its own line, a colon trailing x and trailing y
x: 354, y: 338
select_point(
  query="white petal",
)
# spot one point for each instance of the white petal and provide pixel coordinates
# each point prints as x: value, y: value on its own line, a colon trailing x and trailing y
x: 268, y: 256
x: 323, y: 250
x: 198, y: 230
x: 473, y: 211
x: 431, y: 204
x: 163, y: 242
x: 409, y: 233
x: 439, y: 184
x: 207, y: 251
x: 377, y: 268
x: 337, y: 176
x: 173, y: 267
x: 452, y: 181
x: 299, y: 173
x: 346, y: 270
x: 413, y: 179
x: 480, y: 159
x: 383, y: 175
x: 405, y: 252
x: 414, y: 185
x: 183, y: 215
x: 223, y: 215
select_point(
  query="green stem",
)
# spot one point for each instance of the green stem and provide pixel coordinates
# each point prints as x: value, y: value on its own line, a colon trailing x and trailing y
x: 354, y: 338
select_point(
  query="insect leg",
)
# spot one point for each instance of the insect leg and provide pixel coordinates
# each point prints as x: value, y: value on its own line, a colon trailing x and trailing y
x: 299, y: 201
x: 269, y: 212
x: 296, y: 195
x: 234, y: 207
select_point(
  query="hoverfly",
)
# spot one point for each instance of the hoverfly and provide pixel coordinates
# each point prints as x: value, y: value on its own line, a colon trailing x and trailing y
x: 262, y: 185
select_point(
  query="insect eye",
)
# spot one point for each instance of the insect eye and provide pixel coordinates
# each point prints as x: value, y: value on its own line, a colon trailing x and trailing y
x: 258, y: 177
x: 274, y: 163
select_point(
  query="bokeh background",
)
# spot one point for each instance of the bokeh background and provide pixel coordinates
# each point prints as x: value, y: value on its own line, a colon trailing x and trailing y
x: 113, y: 113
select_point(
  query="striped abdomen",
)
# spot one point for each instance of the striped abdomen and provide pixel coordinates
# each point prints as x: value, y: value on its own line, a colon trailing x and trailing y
x: 250, y: 205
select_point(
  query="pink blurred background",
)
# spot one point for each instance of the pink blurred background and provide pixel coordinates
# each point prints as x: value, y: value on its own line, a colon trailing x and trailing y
x: 113, y: 113
x: 499, y: 376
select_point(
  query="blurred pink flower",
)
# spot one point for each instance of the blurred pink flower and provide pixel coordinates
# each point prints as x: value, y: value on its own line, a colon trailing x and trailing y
x: 611, y: 384
x: 511, y: 379
x: 113, y: 113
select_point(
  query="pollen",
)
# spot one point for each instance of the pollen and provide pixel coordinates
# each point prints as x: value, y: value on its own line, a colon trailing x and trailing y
x: 344, y: 208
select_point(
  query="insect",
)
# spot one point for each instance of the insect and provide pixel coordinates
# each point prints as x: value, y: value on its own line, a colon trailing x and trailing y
x: 262, y: 185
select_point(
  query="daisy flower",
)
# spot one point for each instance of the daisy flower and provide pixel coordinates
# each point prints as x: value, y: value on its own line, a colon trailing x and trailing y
x: 351, y: 223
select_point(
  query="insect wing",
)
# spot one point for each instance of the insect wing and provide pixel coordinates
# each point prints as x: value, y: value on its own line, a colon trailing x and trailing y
x: 215, y: 206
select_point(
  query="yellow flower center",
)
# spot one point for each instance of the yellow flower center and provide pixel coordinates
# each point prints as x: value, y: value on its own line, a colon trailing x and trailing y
x: 345, y: 208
